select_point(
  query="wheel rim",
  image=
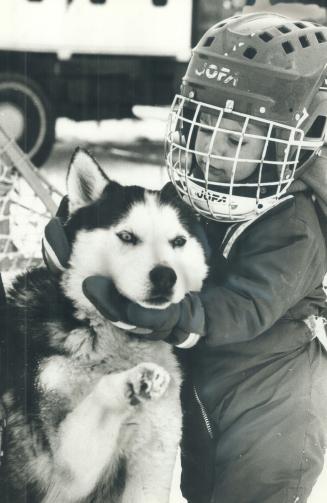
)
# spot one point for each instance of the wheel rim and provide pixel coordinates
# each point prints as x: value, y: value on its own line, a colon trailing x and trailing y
x: 24, y: 105
x: 12, y: 120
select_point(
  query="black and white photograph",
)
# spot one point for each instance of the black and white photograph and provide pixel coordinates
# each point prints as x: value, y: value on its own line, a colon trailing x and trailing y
x: 163, y: 251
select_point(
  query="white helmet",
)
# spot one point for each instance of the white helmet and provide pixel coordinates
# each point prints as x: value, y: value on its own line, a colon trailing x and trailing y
x: 264, y: 73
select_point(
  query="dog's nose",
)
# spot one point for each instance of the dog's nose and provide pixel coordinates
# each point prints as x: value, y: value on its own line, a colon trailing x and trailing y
x: 163, y: 278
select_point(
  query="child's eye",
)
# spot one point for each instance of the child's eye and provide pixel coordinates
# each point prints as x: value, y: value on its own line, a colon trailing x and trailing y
x: 235, y: 141
x: 128, y: 237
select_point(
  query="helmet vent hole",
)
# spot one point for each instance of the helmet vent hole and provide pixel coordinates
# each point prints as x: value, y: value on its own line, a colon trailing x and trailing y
x: 250, y: 52
x: 304, y: 41
x: 208, y: 41
x: 300, y: 25
x: 265, y: 36
x: 288, y: 47
x: 283, y: 29
x: 320, y: 37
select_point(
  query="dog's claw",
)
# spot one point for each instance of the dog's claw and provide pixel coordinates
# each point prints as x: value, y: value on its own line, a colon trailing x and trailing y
x: 147, y: 381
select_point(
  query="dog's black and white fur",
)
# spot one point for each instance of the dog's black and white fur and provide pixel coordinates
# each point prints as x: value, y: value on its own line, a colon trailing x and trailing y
x: 93, y: 413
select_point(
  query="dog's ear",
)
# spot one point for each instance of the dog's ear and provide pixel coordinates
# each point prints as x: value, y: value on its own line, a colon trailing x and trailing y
x: 85, y: 180
x: 168, y: 193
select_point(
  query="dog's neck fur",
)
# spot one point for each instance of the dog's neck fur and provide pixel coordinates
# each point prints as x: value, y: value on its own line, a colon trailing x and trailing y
x: 38, y: 297
x: 100, y: 340
x: 99, y: 335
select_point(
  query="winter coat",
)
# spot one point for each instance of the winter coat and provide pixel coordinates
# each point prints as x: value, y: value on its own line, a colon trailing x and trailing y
x: 275, y: 267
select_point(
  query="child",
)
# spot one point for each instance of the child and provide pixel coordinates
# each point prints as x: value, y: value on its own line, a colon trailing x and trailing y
x: 249, y: 122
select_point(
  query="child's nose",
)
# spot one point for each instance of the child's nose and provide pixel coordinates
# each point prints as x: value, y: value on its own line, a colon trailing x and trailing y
x: 221, y: 147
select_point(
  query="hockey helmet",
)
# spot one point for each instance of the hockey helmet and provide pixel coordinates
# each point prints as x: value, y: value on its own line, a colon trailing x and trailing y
x: 264, y: 73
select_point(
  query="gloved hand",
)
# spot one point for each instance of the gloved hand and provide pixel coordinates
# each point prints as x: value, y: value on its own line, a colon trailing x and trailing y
x: 180, y: 324
x: 55, y: 246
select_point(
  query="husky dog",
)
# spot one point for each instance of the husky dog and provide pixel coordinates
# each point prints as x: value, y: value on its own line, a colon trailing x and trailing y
x: 93, y: 412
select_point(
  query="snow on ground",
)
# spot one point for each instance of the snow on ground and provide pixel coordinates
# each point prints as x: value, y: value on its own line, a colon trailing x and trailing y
x: 131, y: 152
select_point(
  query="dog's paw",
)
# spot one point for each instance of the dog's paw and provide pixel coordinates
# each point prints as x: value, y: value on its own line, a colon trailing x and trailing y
x: 146, y: 381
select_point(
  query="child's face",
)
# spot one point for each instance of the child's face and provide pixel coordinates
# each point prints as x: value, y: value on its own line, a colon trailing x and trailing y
x: 225, y: 144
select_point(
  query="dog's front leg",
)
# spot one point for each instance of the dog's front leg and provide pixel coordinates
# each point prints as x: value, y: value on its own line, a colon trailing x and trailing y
x: 87, y: 439
x: 152, y: 472
x: 151, y: 462
x: 88, y: 436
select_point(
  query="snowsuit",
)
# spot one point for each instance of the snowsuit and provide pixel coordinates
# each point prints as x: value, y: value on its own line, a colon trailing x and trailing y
x: 255, y: 401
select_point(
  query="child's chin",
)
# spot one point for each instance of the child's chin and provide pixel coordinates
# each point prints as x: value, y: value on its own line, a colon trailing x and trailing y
x: 218, y: 175
x: 215, y: 174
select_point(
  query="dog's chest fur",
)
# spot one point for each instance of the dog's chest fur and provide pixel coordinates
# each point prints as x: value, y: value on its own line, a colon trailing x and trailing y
x: 94, y: 351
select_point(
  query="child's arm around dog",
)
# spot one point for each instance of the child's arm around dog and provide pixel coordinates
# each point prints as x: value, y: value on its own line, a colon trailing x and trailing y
x: 275, y: 266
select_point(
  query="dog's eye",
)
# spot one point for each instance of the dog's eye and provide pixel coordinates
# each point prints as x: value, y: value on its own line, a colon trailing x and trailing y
x: 128, y: 237
x: 178, y: 242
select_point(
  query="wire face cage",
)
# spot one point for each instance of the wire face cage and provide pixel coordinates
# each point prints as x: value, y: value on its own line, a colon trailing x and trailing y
x: 229, y: 166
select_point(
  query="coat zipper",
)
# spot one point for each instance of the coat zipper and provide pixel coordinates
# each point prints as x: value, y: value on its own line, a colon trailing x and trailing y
x: 203, y: 413
x: 2, y: 433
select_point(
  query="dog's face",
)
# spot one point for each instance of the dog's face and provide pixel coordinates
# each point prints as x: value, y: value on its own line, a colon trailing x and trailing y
x: 144, y: 240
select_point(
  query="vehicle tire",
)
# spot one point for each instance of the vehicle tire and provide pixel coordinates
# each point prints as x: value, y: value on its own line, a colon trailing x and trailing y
x: 26, y: 115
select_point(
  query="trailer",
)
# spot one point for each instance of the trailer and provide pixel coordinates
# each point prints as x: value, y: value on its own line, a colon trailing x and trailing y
x: 92, y: 59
